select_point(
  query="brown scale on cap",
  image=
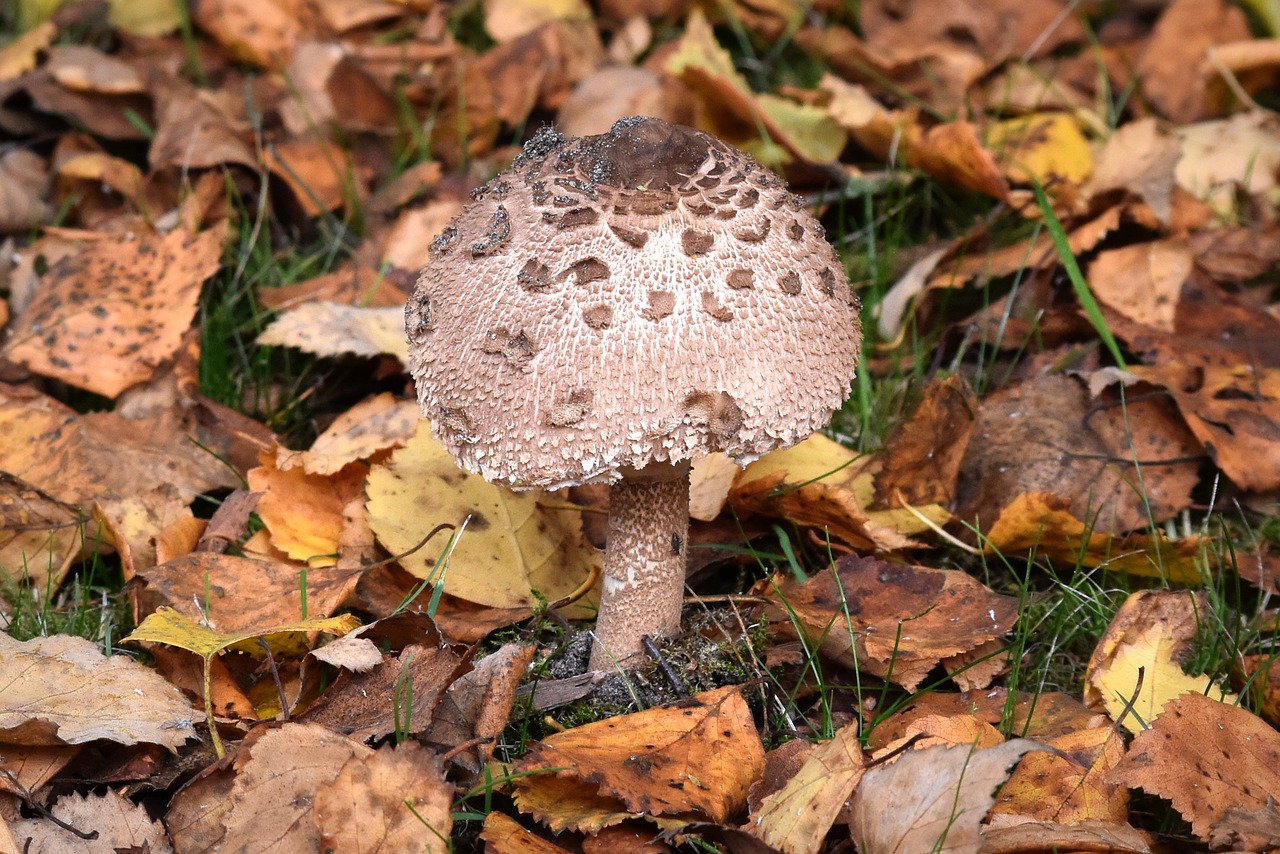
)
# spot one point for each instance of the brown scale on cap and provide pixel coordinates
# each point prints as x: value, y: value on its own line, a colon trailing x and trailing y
x: 626, y: 303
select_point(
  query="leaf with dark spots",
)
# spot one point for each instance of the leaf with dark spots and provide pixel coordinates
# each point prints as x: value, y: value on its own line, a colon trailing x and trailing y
x: 120, y: 341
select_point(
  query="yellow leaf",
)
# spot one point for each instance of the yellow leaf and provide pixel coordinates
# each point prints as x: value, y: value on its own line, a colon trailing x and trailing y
x: 516, y: 544
x: 1041, y: 522
x: 171, y: 628
x: 148, y: 18
x: 822, y: 484
x: 1047, y: 147
x: 1135, y: 669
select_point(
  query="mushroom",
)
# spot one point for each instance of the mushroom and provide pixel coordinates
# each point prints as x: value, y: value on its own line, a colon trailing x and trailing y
x: 612, y: 307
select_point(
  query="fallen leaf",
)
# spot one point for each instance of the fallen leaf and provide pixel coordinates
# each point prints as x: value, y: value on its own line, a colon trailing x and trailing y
x: 513, y: 553
x: 1043, y: 837
x: 506, y: 20
x: 894, y: 621
x: 305, y: 513
x: 1173, y: 69
x: 117, y: 824
x: 1138, y: 161
x: 922, y: 456
x: 735, y: 113
x: 63, y: 690
x: 375, y: 424
x: 693, y: 758
x: 241, y: 594
x: 1136, y: 667
x: 23, y: 187
x: 107, y: 317
x: 39, y: 535
x: 1205, y: 757
x: 1143, y: 281
x: 933, y: 799
x: 1219, y: 158
x: 394, y: 800
x: 1067, y: 784
x: 331, y: 329
x: 504, y: 835
x: 1234, y: 412
x: 264, y: 801
x: 477, y: 705
x: 824, y: 485
x: 1044, y: 524
x: 797, y: 818
x: 1122, y: 459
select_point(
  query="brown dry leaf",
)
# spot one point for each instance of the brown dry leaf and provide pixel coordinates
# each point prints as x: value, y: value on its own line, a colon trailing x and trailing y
x: 106, y: 318
x: 1042, y: 716
x: 894, y: 621
x: 1042, y: 837
x: 824, y: 485
x: 239, y: 594
x: 506, y: 20
x: 259, y: 32
x: 1173, y: 69
x: 922, y: 456
x: 400, y: 694
x: 614, y: 91
x: 375, y: 424
x: 1046, y: 435
x: 305, y: 513
x: 1136, y: 667
x: 1138, y: 161
x: 101, y: 455
x: 22, y: 54
x: 262, y: 801
x: 1143, y: 281
x: 1206, y: 757
x: 31, y: 767
x: 504, y: 835
x: 320, y: 173
x: 24, y: 183
x: 408, y: 243
x: 86, y: 69
x: 933, y: 799
x: 1045, y: 524
x: 512, y: 547
x: 332, y: 329
x: 194, y: 130
x: 117, y: 823
x: 1067, y: 784
x: 478, y: 704
x: 1261, y: 673
x: 696, y: 757
x: 733, y: 112
x: 1221, y: 157
x: 63, y: 690
x: 395, y: 800
x: 1234, y: 412
x: 39, y: 535
x: 797, y: 818
x: 952, y: 152
x: 946, y: 730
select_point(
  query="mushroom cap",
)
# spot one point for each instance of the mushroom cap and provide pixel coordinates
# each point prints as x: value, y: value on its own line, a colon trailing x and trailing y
x: 647, y: 295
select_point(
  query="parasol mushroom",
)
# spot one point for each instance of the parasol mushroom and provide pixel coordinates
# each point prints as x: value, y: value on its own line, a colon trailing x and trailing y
x: 611, y: 308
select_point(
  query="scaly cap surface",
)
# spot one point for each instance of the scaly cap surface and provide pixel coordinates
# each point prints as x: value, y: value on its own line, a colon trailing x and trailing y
x: 646, y: 295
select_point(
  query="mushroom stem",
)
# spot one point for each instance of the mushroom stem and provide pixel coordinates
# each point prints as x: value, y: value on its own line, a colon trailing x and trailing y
x: 644, y: 565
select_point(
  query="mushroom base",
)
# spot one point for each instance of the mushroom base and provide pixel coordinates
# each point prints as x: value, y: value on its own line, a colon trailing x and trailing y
x: 644, y: 565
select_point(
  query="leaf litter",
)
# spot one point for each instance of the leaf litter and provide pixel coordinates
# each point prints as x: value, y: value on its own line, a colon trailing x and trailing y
x: 145, y: 159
